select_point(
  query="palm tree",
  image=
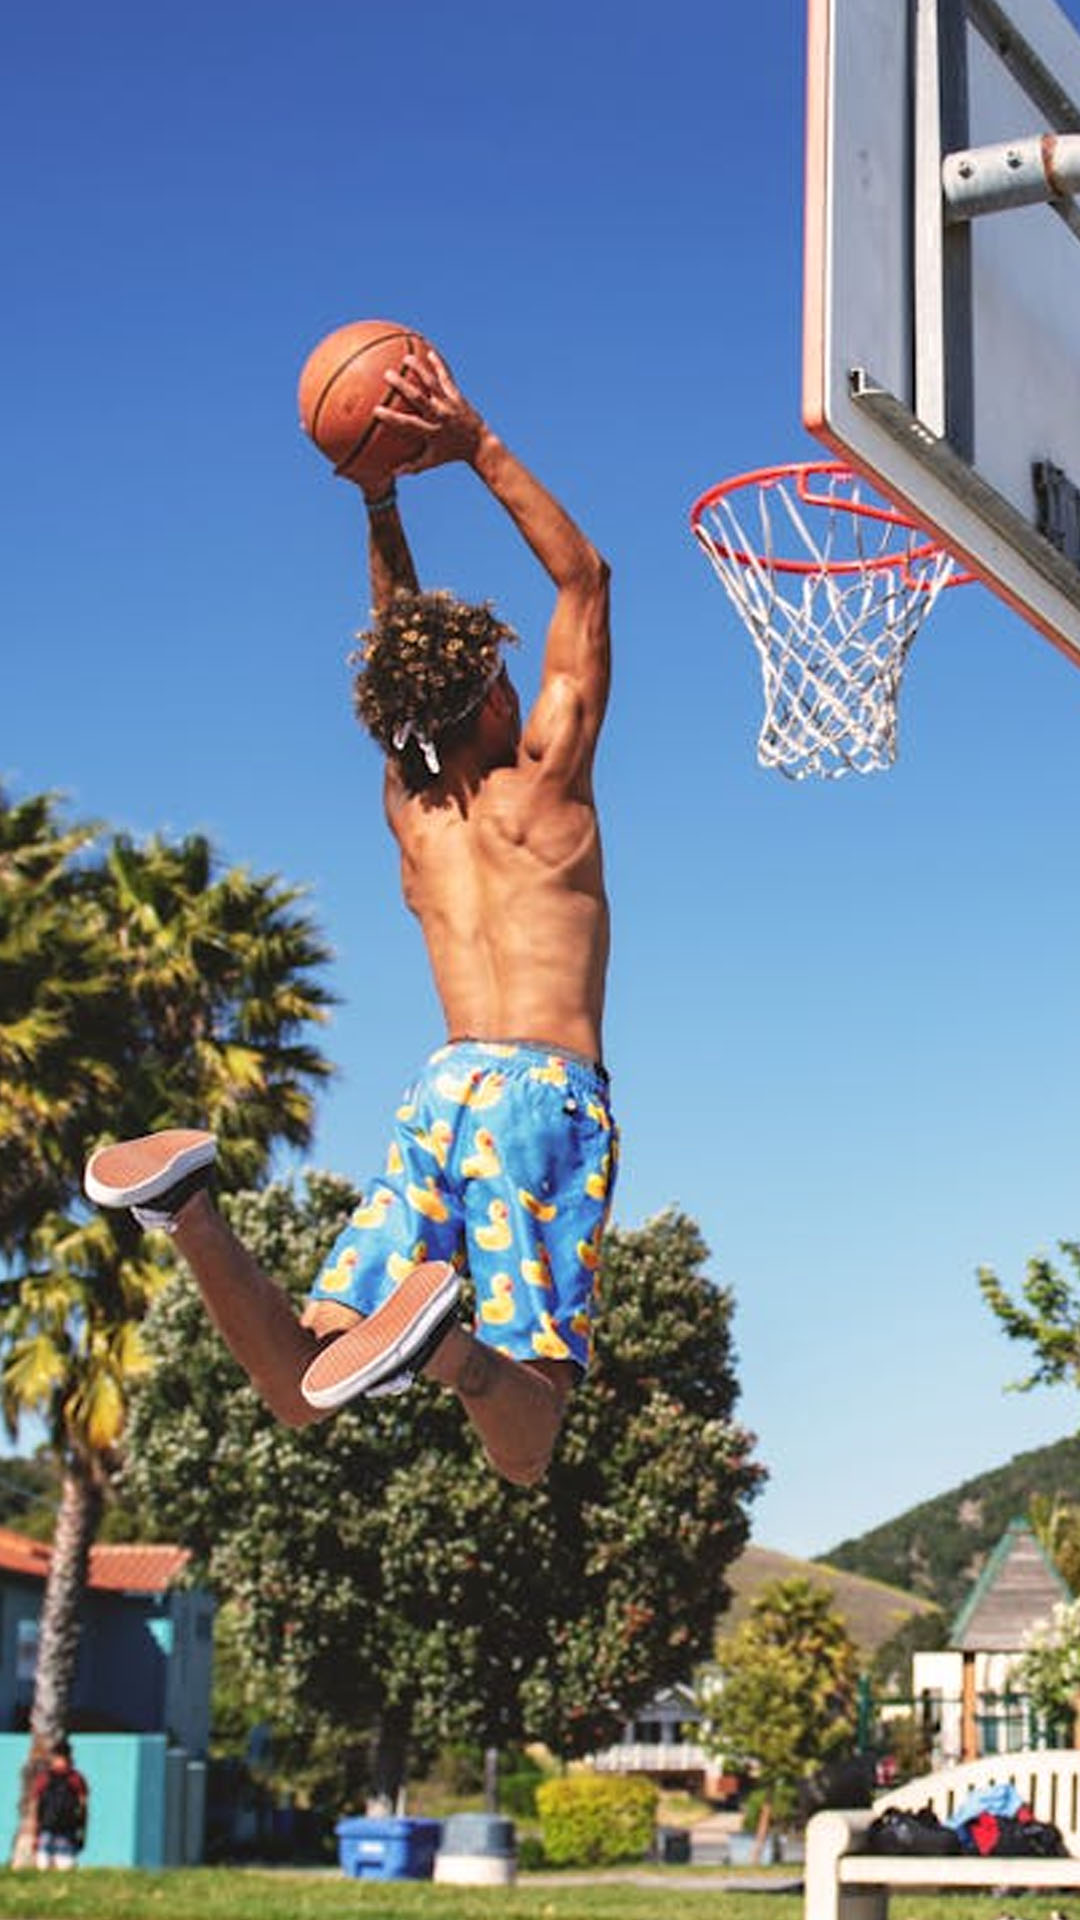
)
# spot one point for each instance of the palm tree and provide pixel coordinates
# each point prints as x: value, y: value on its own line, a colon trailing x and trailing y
x: 56, y: 1011
x: 220, y: 989
x: 209, y: 983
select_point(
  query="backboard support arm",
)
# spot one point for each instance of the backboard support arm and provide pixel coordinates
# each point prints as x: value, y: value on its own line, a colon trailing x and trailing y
x: 1040, y: 168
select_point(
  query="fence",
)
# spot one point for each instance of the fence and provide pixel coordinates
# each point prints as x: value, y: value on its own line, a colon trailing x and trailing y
x: 1004, y: 1722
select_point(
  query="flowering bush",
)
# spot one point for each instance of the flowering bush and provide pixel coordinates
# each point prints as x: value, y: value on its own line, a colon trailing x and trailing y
x: 1049, y: 1667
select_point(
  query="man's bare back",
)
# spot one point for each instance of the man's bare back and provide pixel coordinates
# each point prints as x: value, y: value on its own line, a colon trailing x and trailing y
x: 507, y: 883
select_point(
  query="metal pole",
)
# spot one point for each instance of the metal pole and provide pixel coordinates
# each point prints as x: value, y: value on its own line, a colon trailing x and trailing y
x: 1043, y: 167
x: 491, y: 1779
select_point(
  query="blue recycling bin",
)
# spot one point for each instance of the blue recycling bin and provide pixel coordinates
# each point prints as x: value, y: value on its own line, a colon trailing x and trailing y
x: 390, y: 1848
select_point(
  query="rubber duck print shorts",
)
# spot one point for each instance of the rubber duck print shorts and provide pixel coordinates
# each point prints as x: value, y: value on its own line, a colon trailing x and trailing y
x: 503, y: 1160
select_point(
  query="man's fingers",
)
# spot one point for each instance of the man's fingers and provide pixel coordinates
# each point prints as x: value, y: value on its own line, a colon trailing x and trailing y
x: 401, y: 417
x: 443, y: 374
x: 422, y: 399
x: 405, y: 383
x: 435, y: 376
x: 417, y: 393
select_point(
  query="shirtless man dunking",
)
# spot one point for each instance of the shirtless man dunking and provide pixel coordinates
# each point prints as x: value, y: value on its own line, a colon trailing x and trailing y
x: 503, y: 1151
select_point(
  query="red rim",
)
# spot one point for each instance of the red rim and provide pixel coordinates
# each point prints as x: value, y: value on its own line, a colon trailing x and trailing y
x: 802, y: 471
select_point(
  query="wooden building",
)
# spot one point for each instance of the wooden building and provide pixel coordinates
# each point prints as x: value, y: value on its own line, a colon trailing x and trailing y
x: 968, y: 1692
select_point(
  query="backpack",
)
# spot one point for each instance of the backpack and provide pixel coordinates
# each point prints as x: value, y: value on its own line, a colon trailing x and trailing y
x: 60, y: 1808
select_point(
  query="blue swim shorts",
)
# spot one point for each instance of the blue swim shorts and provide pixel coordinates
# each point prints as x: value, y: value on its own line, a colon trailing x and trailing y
x: 503, y: 1160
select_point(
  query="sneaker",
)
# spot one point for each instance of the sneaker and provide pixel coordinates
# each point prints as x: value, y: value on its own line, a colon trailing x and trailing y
x: 152, y: 1176
x: 391, y: 1345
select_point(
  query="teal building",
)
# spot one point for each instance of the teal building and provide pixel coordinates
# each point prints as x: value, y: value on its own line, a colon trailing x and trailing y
x: 140, y: 1709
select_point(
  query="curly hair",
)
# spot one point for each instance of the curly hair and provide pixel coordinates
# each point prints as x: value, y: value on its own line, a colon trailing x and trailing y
x: 424, y: 666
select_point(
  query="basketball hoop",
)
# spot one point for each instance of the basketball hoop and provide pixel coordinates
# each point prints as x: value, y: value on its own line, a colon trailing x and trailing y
x: 832, y: 622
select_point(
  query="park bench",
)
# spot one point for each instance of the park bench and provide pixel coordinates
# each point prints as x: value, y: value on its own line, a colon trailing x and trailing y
x: 845, y: 1882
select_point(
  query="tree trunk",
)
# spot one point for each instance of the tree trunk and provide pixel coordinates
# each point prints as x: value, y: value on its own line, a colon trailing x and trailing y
x: 391, y: 1750
x: 763, y: 1826
x: 58, y: 1636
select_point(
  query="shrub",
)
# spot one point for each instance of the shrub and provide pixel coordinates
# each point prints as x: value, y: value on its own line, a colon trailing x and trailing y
x: 595, y: 1820
x: 517, y: 1792
x: 519, y: 1777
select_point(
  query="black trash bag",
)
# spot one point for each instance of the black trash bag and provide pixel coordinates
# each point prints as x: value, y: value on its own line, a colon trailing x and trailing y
x: 1017, y: 1838
x: 898, y: 1831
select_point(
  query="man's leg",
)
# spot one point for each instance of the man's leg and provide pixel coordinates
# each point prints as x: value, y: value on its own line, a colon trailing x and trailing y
x: 278, y: 1351
x: 164, y: 1180
x: 253, y: 1314
x: 516, y: 1407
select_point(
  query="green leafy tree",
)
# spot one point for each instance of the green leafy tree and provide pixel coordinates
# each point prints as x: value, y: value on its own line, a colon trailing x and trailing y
x: 208, y: 982
x: 781, y: 1696
x: 1048, y: 1320
x: 396, y: 1596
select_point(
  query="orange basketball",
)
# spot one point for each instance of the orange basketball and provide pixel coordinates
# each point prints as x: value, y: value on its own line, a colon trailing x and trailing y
x: 342, y: 382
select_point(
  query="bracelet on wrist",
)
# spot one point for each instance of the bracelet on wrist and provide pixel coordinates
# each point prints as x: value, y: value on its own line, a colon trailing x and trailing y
x: 383, y: 501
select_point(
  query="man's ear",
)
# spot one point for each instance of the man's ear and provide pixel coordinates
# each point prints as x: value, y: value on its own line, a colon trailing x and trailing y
x: 499, y: 692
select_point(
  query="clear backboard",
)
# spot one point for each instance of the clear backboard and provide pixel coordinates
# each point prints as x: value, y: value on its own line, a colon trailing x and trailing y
x: 941, y: 349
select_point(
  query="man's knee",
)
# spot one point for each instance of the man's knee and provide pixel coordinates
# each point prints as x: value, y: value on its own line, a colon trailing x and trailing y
x: 324, y: 1317
x: 521, y: 1472
x: 527, y: 1468
x: 287, y: 1403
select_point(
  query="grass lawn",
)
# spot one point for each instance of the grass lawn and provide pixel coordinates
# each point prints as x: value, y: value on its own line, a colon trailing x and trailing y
x: 223, y: 1893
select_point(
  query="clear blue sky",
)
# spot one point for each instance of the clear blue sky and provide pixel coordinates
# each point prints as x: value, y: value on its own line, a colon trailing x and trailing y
x: 843, y: 1020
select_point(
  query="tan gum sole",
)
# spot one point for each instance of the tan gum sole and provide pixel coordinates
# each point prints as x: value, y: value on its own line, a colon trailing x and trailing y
x: 382, y: 1344
x: 133, y: 1172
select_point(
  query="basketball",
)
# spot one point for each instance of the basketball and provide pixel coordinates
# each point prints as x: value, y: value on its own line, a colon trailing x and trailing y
x: 342, y: 382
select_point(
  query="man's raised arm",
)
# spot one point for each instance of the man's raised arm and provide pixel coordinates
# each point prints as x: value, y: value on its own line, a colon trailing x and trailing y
x: 390, y: 562
x: 578, y: 642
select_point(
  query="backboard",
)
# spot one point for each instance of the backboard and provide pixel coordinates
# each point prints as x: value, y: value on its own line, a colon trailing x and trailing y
x: 941, y: 346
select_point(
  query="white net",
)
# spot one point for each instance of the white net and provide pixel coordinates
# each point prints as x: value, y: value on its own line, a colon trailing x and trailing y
x: 833, y: 627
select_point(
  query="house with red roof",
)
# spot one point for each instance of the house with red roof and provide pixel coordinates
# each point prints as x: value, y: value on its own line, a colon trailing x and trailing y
x: 145, y: 1651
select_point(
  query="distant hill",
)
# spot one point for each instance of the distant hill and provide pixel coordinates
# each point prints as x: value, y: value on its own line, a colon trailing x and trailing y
x: 873, y: 1612
x: 938, y: 1549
